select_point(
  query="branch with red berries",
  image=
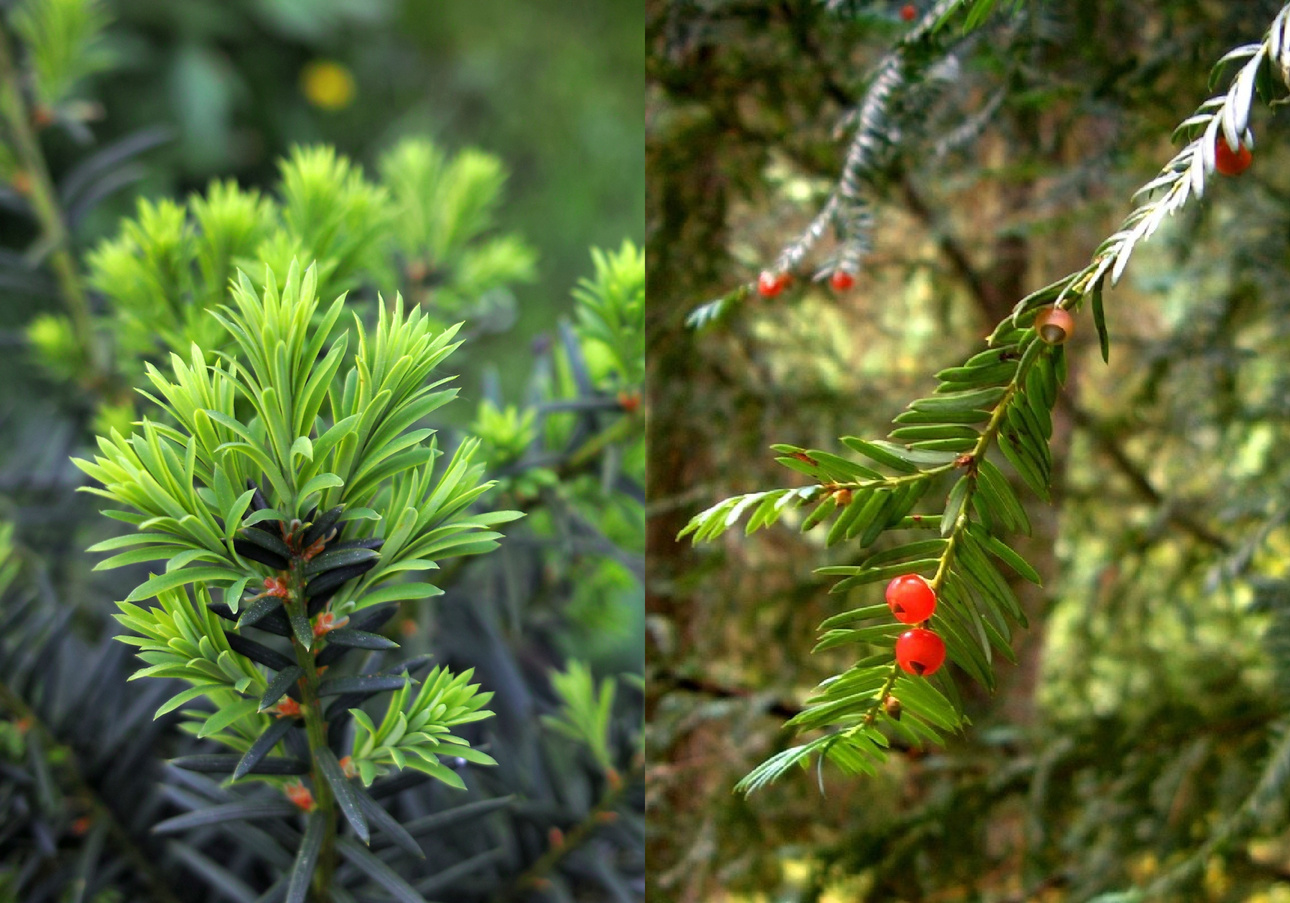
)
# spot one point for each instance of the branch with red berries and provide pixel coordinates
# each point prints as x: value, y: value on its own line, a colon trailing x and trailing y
x: 947, y: 599
x: 902, y: 87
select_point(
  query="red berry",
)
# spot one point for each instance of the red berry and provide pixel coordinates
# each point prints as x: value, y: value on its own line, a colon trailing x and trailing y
x: 911, y: 599
x: 920, y: 652
x: 1055, y: 325
x: 908, y: 12
x: 841, y: 280
x: 1231, y: 162
x: 771, y: 284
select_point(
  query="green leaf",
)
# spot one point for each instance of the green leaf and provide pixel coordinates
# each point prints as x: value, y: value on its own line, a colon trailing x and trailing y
x: 226, y: 715
x: 957, y: 446
x: 980, y: 375
x: 993, y: 488
x: 233, y: 513
x: 819, y: 513
x: 882, y: 452
x: 917, y: 695
x: 922, y: 548
x: 265, y: 514
x: 869, y: 532
x: 242, y: 810
x: 859, y: 576
x: 338, y: 558
x: 857, y: 515
x: 300, y: 626
x: 138, y: 556
x: 878, y: 633
x: 161, y: 582
x: 954, y: 504
x: 840, y: 469
x: 1099, y: 320
x: 1025, y: 468
x: 319, y: 483
x: 959, y: 401
x: 346, y: 798
x: 962, y: 651
x: 398, y: 592
x: 233, y: 593
x: 303, y: 448
x: 262, y: 746
x: 302, y: 869
x: 383, y: 820
x: 928, y: 417
x: 924, y: 432
x: 1008, y: 556
x: 186, y: 696
x: 780, y: 763
x: 866, y: 613
x: 992, y: 584
x: 378, y: 871
x: 280, y: 685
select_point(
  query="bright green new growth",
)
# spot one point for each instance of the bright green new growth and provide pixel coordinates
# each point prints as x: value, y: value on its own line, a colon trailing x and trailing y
x: 611, y: 313
x: 286, y: 412
x: 415, y: 726
x: 283, y: 412
x: 443, y: 206
x: 586, y: 710
x: 434, y: 212
x: 180, y: 640
x: 65, y: 41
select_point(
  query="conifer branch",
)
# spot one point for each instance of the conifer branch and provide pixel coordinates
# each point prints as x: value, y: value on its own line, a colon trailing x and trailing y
x: 1011, y: 388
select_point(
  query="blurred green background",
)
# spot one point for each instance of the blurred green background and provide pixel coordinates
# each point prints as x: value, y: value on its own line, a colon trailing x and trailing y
x: 544, y: 85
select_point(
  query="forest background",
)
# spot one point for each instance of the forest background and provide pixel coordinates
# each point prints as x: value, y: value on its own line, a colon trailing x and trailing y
x: 1139, y: 742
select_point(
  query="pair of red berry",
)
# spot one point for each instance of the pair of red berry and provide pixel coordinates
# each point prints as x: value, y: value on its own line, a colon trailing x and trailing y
x: 771, y: 284
x: 912, y: 600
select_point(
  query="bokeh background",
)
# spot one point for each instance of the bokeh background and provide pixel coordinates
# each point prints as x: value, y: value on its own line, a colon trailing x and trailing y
x: 553, y: 87
x: 1137, y: 750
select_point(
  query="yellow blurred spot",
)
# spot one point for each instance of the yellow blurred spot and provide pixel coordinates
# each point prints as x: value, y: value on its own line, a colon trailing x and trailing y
x: 327, y: 84
x: 1144, y: 867
x: 1217, y: 882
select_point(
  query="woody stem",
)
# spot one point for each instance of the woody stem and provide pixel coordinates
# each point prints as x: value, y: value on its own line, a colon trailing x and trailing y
x: 316, y: 730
